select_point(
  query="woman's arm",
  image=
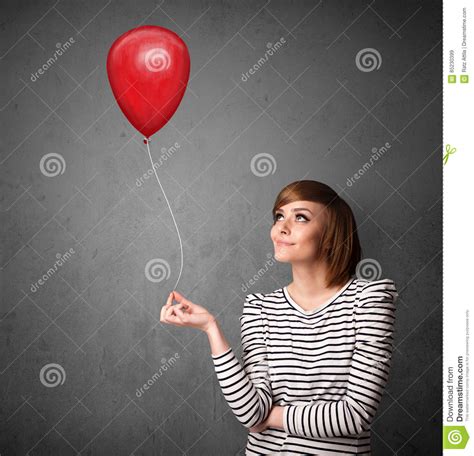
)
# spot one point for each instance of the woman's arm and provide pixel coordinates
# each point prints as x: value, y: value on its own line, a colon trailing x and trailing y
x: 246, y: 388
x: 217, y: 340
x: 353, y: 414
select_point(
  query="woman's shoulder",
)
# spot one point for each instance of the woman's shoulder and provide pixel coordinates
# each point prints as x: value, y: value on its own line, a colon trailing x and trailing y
x: 254, y: 299
x: 259, y: 299
x: 376, y: 288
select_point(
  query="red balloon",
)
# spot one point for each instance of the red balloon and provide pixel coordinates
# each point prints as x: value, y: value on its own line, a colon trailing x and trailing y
x: 148, y: 70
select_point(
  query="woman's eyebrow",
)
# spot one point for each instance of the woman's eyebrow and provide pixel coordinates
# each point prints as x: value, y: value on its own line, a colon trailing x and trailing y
x: 297, y: 209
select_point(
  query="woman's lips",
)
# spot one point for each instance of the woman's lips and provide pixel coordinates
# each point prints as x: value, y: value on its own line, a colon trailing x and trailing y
x: 286, y: 244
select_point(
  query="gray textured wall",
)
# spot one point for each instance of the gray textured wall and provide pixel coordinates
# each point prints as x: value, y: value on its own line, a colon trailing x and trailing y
x: 318, y: 116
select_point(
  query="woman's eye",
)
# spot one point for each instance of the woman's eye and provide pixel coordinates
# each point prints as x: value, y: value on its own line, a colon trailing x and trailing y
x: 297, y: 215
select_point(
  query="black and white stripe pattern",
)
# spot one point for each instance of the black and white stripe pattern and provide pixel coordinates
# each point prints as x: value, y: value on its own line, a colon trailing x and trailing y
x: 328, y: 368
x: 248, y: 390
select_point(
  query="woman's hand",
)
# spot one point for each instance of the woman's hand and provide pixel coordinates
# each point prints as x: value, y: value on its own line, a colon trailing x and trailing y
x: 186, y: 313
x: 259, y: 427
x: 274, y: 420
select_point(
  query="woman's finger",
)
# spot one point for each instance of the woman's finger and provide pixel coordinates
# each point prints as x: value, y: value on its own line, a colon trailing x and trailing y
x: 166, y: 306
x: 176, y: 313
x: 169, y: 311
x: 171, y: 316
x: 180, y: 313
x: 182, y: 307
x: 180, y: 298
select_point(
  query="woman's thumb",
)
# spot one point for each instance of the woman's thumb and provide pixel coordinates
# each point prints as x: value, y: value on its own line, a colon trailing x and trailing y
x: 179, y: 297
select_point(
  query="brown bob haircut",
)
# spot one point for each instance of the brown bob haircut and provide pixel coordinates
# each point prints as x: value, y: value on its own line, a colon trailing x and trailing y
x: 339, y: 243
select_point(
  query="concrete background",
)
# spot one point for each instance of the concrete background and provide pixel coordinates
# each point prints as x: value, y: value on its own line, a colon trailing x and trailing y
x: 318, y: 116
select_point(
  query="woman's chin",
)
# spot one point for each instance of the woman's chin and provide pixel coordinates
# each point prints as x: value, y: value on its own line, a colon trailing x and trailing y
x: 281, y: 257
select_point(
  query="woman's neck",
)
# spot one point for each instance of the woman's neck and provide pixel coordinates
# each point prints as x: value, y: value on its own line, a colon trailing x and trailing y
x: 310, y: 281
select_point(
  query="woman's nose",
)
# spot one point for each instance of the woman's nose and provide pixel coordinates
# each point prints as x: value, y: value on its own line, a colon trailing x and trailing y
x: 284, y: 228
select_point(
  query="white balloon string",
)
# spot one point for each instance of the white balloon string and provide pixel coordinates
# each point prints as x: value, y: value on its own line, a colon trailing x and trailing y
x: 179, y: 237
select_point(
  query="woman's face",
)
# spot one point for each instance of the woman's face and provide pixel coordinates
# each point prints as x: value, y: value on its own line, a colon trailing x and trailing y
x: 296, y: 231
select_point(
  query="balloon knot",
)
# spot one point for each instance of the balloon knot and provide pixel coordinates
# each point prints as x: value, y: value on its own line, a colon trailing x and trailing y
x: 145, y: 141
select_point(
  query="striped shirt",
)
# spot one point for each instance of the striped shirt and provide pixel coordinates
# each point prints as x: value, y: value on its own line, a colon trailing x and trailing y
x: 327, y: 367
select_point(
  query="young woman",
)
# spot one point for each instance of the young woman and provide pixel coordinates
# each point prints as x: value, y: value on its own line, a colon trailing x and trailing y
x: 316, y: 354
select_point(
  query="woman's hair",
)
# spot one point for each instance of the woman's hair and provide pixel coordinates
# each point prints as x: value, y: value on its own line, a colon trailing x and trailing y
x: 339, y: 243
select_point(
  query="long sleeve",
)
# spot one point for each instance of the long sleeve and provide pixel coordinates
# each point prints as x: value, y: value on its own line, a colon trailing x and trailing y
x: 247, y: 389
x: 368, y: 375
